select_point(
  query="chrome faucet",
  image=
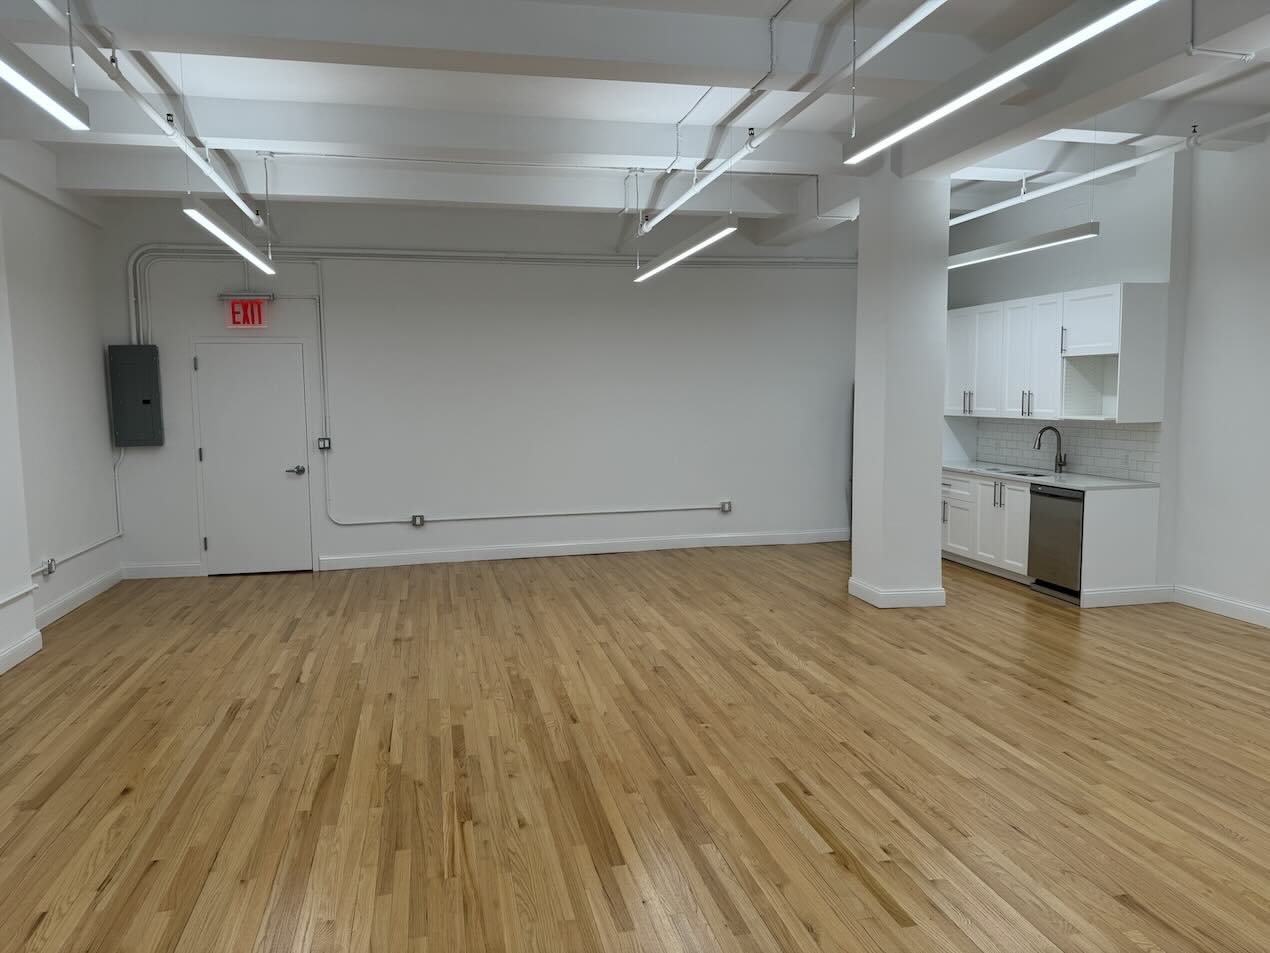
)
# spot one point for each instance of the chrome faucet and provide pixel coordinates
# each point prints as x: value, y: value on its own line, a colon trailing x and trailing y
x: 1060, y: 459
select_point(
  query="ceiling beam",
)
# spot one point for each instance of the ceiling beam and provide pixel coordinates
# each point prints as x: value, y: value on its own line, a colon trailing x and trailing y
x: 824, y: 203
x: 347, y: 130
x: 1117, y: 68
x: 134, y: 172
x: 518, y: 37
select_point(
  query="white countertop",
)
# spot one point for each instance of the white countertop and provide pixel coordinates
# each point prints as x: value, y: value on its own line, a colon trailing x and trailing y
x: 1072, y: 481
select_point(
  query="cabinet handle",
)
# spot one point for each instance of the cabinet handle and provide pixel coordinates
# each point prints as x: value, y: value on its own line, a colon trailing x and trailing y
x: 972, y: 402
x: 1023, y: 404
x: 965, y: 401
x: 1062, y: 346
x: 944, y: 515
x: 1031, y: 404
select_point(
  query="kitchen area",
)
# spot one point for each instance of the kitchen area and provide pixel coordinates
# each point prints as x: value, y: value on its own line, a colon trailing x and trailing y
x: 1051, y: 451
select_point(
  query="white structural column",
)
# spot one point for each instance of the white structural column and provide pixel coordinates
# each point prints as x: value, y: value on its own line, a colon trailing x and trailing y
x: 19, y: 637
x: 901, y: 333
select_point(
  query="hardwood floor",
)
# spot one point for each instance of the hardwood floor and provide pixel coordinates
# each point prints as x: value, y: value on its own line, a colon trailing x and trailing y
x: 682, y: 751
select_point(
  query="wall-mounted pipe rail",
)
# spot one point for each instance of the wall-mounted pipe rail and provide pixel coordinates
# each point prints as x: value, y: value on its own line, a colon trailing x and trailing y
x: 110, y: 67
x: 146, y: 255
x: 752, y: 144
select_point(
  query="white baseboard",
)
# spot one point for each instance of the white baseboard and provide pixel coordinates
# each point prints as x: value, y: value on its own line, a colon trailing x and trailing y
x: 990, y: 570
x: 1223, y: 605
x: 577, y: 548
x: 162, y: 570
x: 896, y: 598
x: 1128, y: 596
x: 77, y: 597
x: 23, y: 650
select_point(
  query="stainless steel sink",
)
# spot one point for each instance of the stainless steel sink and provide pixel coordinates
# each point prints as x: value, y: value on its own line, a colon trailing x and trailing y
x: 1029, y: 473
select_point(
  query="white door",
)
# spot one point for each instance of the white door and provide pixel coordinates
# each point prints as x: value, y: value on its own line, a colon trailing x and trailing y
x: 1018, y: 356
x: 989, y: 533
x: 253, y: 441
x: 1016, y: 514
x: 989, y: 386
x: 1046, y: 391
x: 959, y: 527
x: 961, y: 361
x: 1091, y: 321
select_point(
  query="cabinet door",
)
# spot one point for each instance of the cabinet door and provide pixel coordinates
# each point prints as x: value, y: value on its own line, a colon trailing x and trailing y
x: 1046, y: 391
x: 959, y: 527
x: 1016, y: 515
x: 1091, y: 321
x: 989, y: 370
x: 1018, y: 356
x: 989, y: 525
x: 961, y: 361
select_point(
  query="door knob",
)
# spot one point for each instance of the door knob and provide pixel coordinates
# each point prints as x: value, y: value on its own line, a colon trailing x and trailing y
x: 298, y: 471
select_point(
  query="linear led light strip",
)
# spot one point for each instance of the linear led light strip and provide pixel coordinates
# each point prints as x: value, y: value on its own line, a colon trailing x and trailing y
x: 698, y: 242
x: 1035, y: 61
x: 200, y: 212
x: 1064, y: 236
x: 33, y: 81
x: 901, y: 29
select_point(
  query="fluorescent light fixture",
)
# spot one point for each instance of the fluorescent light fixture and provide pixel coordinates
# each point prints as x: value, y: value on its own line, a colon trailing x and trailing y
x: 1022, y: 246
x: 689, y: 247
x: 199, y: 211
x: 33, y: 81
x: 1099, y: 26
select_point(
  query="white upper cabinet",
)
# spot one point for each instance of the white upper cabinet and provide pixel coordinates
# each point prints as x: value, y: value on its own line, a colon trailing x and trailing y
x: 1091, y: 322
x: 987, y: 396
x: 1045, y: 397
x: 1032, y: 366
x: 961, y: 362
x: 1083, y: 355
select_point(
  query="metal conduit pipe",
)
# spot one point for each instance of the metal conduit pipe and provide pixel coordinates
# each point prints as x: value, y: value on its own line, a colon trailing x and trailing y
x: 1191, y: 142
x: 111, y: 68
x: 754, y: 142
x: 49, y: 566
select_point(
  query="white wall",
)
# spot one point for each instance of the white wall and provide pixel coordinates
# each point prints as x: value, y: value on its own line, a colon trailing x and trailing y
x: 1203, y: 225
x: 486, y: 387
x: 19, y: 637
x: 51, y: 261
x: 1223, y: 514
x: 1137, y: 230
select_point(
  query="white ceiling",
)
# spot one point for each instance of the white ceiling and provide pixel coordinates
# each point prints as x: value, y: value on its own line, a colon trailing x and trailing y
x: 458, y: 100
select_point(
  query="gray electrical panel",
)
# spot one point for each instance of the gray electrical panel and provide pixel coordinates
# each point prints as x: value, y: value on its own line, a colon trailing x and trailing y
x: 136, y: 412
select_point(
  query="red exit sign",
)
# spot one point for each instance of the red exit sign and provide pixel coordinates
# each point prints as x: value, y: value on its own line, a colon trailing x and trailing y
x: 247, y: 313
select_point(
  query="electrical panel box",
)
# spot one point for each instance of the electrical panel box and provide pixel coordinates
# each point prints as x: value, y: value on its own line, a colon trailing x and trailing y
x: 136, y: 411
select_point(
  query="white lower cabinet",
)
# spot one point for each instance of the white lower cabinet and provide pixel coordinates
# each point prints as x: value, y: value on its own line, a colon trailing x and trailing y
x: 987, y: 520
x: 959, y: 527
x: 1016, y: 514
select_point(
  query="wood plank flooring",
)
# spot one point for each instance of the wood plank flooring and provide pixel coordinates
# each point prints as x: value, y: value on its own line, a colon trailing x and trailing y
x: 707, y: 750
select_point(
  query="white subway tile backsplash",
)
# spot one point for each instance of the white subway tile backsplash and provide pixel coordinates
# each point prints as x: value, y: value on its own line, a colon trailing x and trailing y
x: 1127, y: 451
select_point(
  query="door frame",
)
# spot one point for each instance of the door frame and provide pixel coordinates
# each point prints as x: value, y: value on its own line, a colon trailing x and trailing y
x: 198, y: 436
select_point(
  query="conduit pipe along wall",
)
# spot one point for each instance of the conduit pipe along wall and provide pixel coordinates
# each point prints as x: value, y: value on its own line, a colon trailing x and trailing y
x: 110, y: 67
x: 907, y: 25
x: 1192, y: 142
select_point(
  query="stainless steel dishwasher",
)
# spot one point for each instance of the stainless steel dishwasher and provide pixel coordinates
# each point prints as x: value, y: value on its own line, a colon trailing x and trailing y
x: 1055, y: 539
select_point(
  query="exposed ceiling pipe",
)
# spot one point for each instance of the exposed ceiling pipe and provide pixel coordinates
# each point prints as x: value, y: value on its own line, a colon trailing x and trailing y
x: 1191, y: 142
x: 110, y: 67
x: 905, y: 26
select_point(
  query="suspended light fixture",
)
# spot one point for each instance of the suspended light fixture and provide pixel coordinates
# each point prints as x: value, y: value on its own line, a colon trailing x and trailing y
x: 34, y: 82
x: 702, y: 240
x: 1102, y: 24
x: 1023, y: 246
x: 201, y: 213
